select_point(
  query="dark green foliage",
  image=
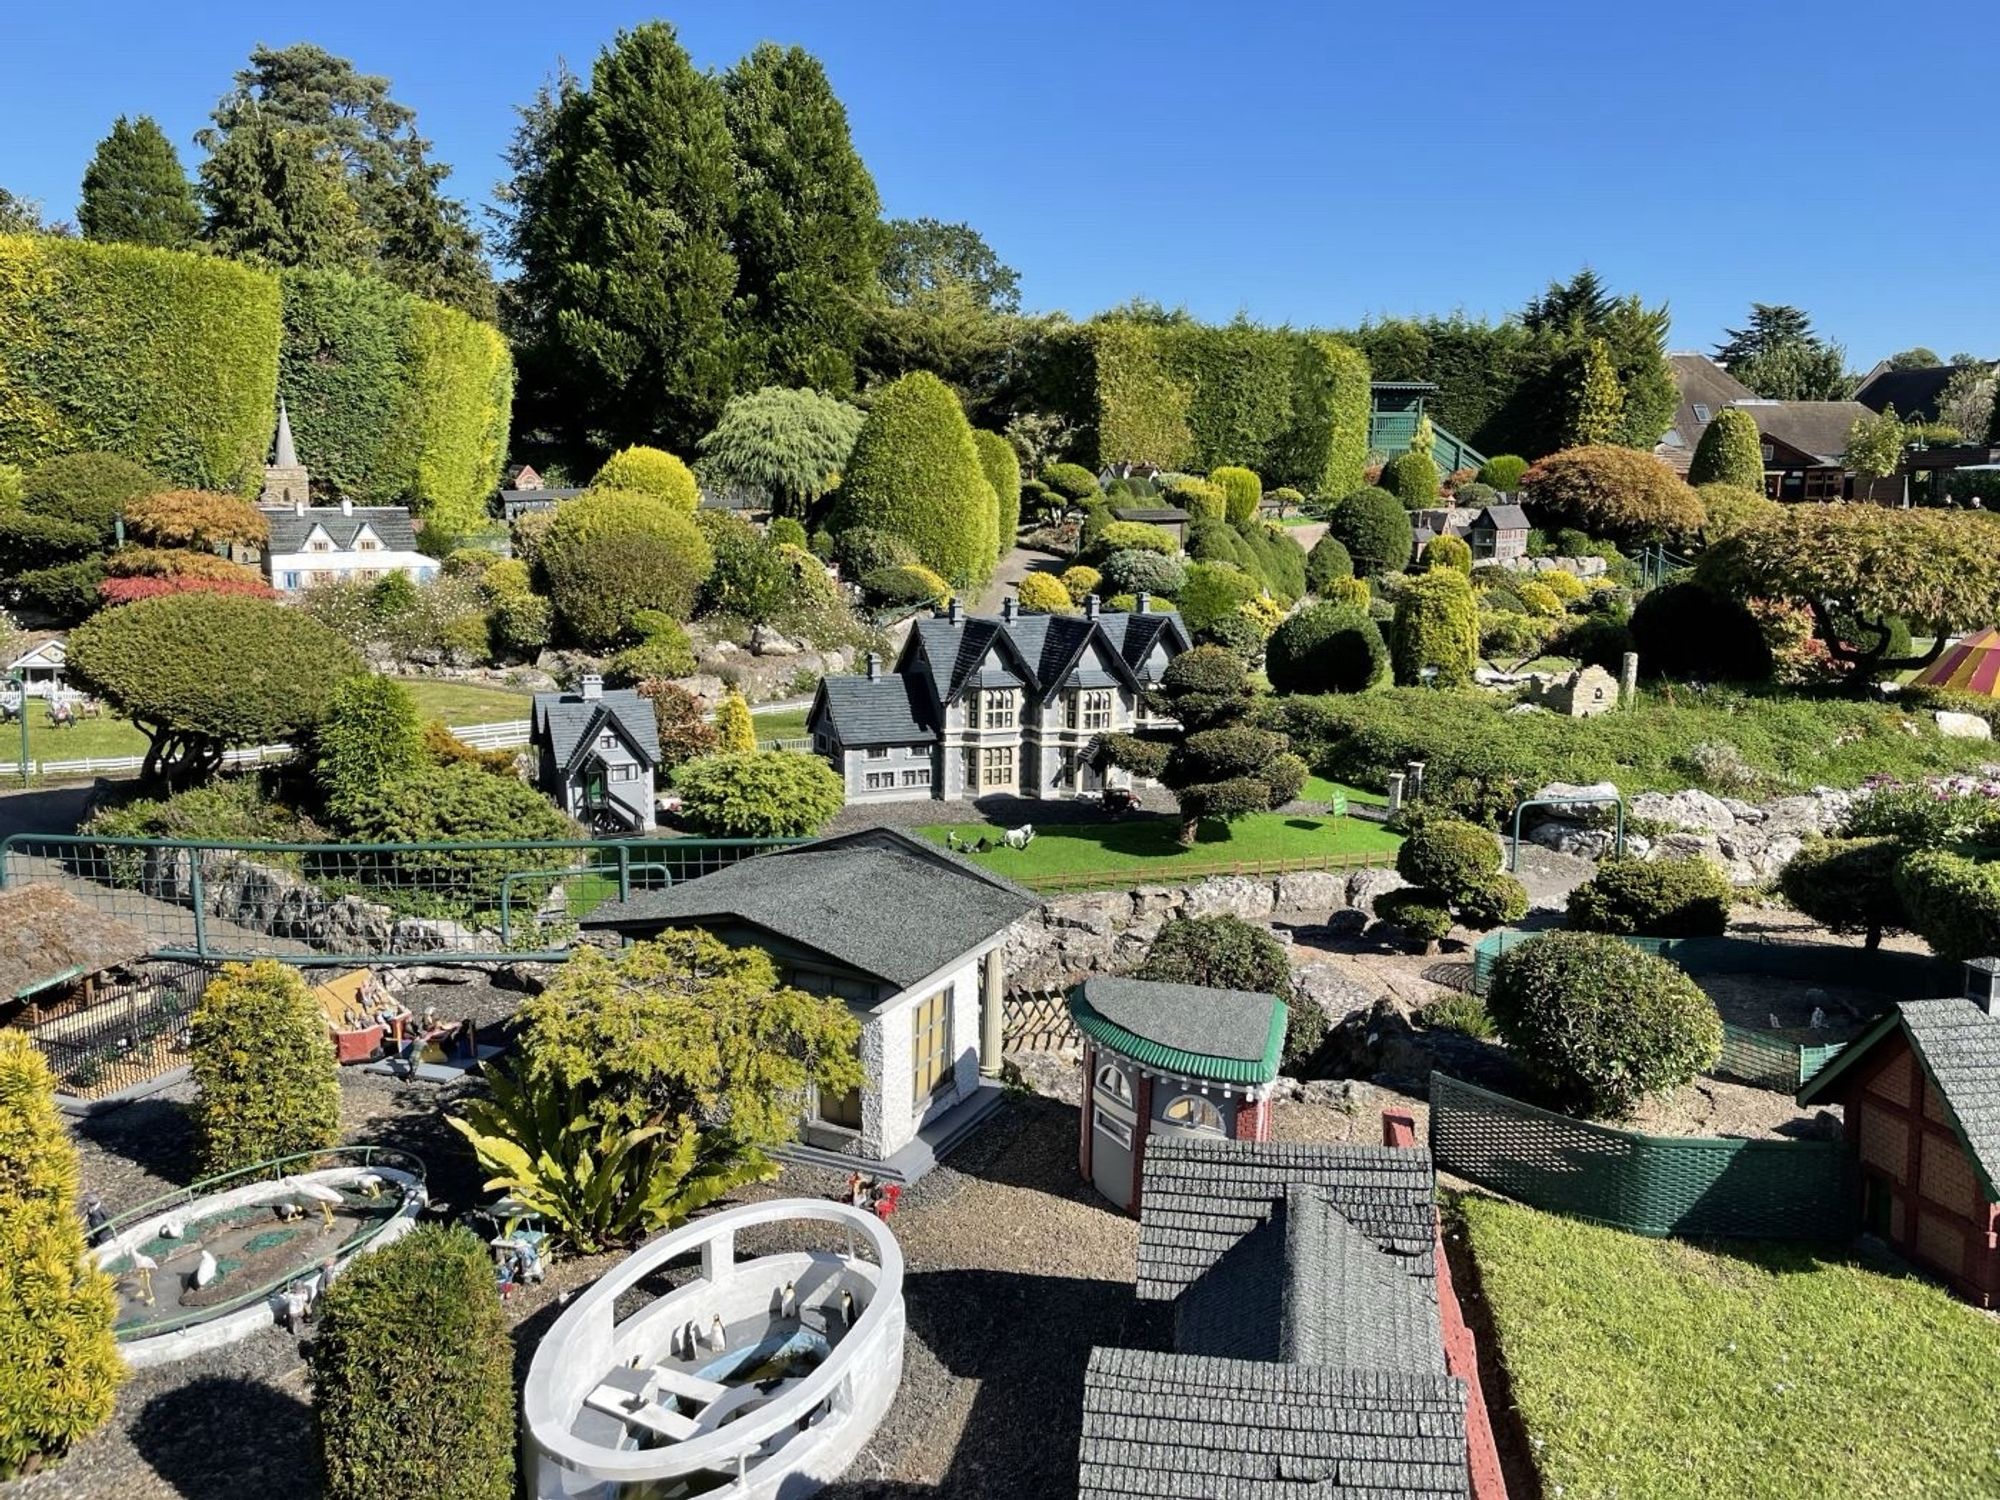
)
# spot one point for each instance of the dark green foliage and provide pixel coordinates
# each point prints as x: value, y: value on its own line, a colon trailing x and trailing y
x: 808, y: 237
x: 1329, y: 648
x: 1374, y: 527
x: 520, y: 626
x: 1143, y: 573
x: 1503, y: 471
x: 1227, y: 953
x: 1449, y: 856
x: 1071, y: 481
x: 1418, y: 912
x: 1952, y: 902
x: 1685, y: 631
x: 413, y: 1374
x: 1412, y: 478
x: 664, y: 652
x: 1327, y: 561
x: 787, y: 445
x: 458, y: 803
x: 66, y: 592
x: 371, y: 734
x: 135, y: 192
x: 201, y: 672
x: 264, y: 1069
x: 1436, y: 626
x: 612, y: 553
x: 763, y: 794
x: 29, y: 541
x: 1601, y: 1024
x: 1848, y: 885
x: 684, y: 728
x: 916, y: 474
x: 275, y: 197
x: 1729, y: 452
x: 1273, y: 558
x: 1214, y: 592
x: 861, y: 550
x: 86, y: 489
x: 1475, y: 496
x: 750, y: 578
x: 1666, y: 898
x: 786, y: 532
x: 1003, y: 471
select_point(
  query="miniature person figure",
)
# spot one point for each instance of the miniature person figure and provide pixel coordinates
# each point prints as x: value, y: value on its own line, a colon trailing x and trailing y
x: 295, y: 1301
x: 96, y: 1219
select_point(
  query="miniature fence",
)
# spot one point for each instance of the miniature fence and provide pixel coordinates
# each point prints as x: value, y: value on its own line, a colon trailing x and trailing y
x: 1651, y: 1185
x: 1174, y: 872
x: 1771, y: 1059
x: 503, y: 735
x: 123, y: 1035
x: 349, y: 904
x: 1037, y: 1021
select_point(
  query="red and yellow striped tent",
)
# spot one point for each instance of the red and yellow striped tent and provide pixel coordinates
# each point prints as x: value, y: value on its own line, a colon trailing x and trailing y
x: 1971, y: 666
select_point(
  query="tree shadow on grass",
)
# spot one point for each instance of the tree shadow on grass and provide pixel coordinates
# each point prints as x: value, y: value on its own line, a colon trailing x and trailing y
x: 228, y: 1438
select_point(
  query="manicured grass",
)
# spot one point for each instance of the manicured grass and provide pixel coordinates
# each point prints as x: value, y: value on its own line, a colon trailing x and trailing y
x: 102, y: 738
x: 779, y: 724
x: 467, y: 703
x: 1646, y: 1369
x: 1082, y: 856
x: 1319, y: 789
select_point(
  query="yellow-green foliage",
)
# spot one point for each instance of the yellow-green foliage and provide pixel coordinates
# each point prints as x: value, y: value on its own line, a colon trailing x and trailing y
x: 1003, y: 472
x: 612, y: 553
x: 1202, y: 500
x: 1264, y: 613
x: 1353, y: 591
x: 1081, y: 583
x: 1436, y: 625
x: 1043, y: 594
x: 263, y: 1067
x: 1538, y: 596
x: 1448, y: 552
x: 650, y: 471
x: 59, y: 1363
x: 915, y: 474
x: 165, y: 358
x: 1728, y: 508
x: 458, y: 401
x: 734, y: 732
x: 1242, y: 492
x: 1567, y: 587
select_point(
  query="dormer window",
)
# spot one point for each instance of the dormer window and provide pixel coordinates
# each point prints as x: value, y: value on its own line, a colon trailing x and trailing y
x: 1701, y: 413
x: 319, y: 544
x: 369, y: 544
x: 1000, y: 708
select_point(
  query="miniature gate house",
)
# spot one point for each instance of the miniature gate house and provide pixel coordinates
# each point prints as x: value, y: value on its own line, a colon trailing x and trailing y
x: 1170, y: 1060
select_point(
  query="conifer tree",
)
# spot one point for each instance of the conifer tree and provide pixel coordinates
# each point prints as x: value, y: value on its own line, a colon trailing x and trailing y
x: 735, y: 733
x: 135, y: 191
x: 1597, y: 401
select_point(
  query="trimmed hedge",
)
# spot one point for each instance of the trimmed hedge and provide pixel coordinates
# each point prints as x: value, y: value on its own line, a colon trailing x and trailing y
x: 1329, y: 648
x: 1953, y: 902
x: 1503, y: 471
x: 1413, y: 479
x: 1730, y: 452
x: 1436, y: 625
x: 266, y: 1080
x: 649, y: 471
x: 1135, y: 536
x: 1242, y: 492
x: 1616, y: 493
x: 765, y: 794
x: 1214, y: 592
x: 1002, y: 467
x: 915, y: 473
x: 1848, y: 885
x: 413, y: 1374
x: 1668, y: 898
x: 1448, y: 552
x: 1375, y: 529
x: 1134, y: 572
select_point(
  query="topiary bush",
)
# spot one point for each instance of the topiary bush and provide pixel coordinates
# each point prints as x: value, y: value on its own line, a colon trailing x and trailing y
x: 787, y: 531
x: 1242, y: 492
x: 1413, y: 479
x: 899, y: 588
x: 1375, y: 529
x: 1685, y: 631
x: 87, y: 489
x: 1617, y: 493
x: 1728, y: 508
x: 1352, y: 591
x: 1213, y: 592
x: 611, y: 553
x: 1043, y: 594
x: 1448, y: 552
x: 1288, y: 500
x: 519, y: 626
x: 59, y: 1365
x: 372, y: 733
x: 663, y: 651
x: 1327, y: 562
x: 1133, y: 572
x: 1071, y: 481
x: 1952, y: 902
x: 763, y: 795
x: 650, y: 471
x: 1002, y: 467
x: 1328, y: 648
x: 1436, y: 626
x: 1081, y: 582
x: 1848, y: 885
x: 1730, y: 451
x: 29, y: 542
x: 1601, y: 1024
x: 265, y: 1077
x: 1454, y: 872
x: 1475, y: 496
x: 1537, y: 598
x: 1134, y: 536
x: 861, y: 550
x: 413, y: 1373
x: 1420, y: 913
x: 1227, y: 953
x: 1503, y: 471
x: 915, y: 473
x: 735, y: 732
x: 1200, y: 498
x: 1654, y: 898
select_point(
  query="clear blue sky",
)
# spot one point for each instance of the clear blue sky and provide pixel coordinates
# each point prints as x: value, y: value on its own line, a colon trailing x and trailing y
x: 1304, y: 162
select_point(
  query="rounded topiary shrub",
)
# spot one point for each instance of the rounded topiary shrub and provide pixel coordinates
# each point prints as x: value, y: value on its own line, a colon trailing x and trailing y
x: 1684, y: 631
x: 1043, y: 594
x: 1227, y: 953
x: 1135, y: 536
x: 87, y: 489
x: 900, y: 587
x: 1214, y: 591
x: 612, y: 553
x: 413, y: 1374
x: 1071, y: 481
x: 650, y: 471
x: 787, y: 531
x: 1375, y: 529
x: 1329, y: 648
x: 1730, y: 452
x: 59, y: 1366
x: 1953, y: 902
x: 1448, y: 552
x: 1327, y: 562
x: 1601, y: 1024
x: 265, y: 1076
x: 1413, y: 479
x: 1475, y: 496
x: 861, y: 550
x: 1437, y: 627
x: 1081, y: 582
x: 1242, y: 492
x: 1135, y: 572
x: 1617, y: 493
x: 1200, y: 498
x: 1503, y: 471
x: 767, y: 794
x: 1419, y: 912
x: 1448, y: 855
x: 1654, y: 898
x: 664, y: 651
x: 1848, y: 885
x: 915, y: 473
x: 1003, y: 471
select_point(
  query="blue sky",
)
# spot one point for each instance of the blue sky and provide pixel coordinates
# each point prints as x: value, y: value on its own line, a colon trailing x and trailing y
x: 1305, y: 162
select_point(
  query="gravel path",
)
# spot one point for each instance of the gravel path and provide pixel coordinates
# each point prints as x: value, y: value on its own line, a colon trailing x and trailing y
x: 1007, y: 576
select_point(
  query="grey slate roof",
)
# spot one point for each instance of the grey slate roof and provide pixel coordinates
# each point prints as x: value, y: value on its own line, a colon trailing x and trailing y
x: 1960, y: 1044
x: 289, y: 529
x: 1186, y: 1017
x: 886, y: 710
x: 1039, y: 649
x: 1816, y: 428
x: 1200, y: 1428
x: 569, y: 721
x: 879, y: 901
x: 1350, y: 1303
x: 1503, y: 518
x: 1914, y: 393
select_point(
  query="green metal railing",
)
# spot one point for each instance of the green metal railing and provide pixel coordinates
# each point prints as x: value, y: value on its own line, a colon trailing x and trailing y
x: 1595, y: 798
x: 1654, y: 1185
x: 352, y: 904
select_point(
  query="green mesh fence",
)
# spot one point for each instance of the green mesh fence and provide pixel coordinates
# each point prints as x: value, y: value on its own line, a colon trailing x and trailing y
x: 358, y: 903
x: 1698, y: 1187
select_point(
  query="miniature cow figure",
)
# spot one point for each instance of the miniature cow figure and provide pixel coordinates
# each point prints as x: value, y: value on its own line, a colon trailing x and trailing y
x: 1020, y: 838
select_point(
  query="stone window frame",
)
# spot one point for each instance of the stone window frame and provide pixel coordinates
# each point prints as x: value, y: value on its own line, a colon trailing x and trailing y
x: 930, y: 1043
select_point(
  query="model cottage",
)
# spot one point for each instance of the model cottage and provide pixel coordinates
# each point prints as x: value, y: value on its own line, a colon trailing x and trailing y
x: 979, y: 705
x: 596, y: 753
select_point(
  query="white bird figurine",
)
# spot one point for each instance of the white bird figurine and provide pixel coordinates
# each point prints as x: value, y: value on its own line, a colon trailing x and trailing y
x: 316, y: 1192
x: 1776, y: 1024
x: 847, y: 1307
x: 173, y: 1229
x: 788, y: 1301
x: 1819, y: 1018
x: 145, y: 1265
x: 716, y: 1338
x: 370, y: 1183
x: 204, y: 1269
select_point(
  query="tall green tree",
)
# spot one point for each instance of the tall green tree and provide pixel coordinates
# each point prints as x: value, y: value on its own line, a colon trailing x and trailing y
x: 925, y: 256
x: 1780, y: 357
x: 135, y: 190
x: 414, y: 235
x: 1596, y: 400
x: 620, y: 213
x: 808, y: 229
x: 20, y: 214
x: 787, y: 445
x: 1562, y: 324
x: 276, y: 196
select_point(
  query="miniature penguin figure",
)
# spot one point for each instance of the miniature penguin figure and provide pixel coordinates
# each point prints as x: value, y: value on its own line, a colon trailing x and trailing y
x: 847, y: 1307
x: 788, y: 1301
x: 674, y: 1343
x: 716, y: 1339
x: 204, y: 1269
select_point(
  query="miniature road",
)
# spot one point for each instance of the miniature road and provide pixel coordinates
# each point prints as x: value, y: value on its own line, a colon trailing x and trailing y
x: 1007, y: 577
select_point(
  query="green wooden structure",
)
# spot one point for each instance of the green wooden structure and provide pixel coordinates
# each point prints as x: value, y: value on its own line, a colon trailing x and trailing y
x: 1394, y: 409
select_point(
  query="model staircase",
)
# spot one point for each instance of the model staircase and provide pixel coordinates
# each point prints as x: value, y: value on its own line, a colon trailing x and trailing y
x: 1390, y: 432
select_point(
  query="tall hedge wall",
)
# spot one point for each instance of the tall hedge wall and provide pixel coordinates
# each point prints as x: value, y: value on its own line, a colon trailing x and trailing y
x: 175, y: 360
x: 165, y: 358
x: 1292, y: 406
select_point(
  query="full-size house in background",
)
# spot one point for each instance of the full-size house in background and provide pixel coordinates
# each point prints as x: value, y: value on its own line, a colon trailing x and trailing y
x: 910, y: 938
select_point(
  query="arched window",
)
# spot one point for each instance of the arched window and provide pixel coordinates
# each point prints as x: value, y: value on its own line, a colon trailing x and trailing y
x: 1111, y: 1081
x: 1195, y: 1113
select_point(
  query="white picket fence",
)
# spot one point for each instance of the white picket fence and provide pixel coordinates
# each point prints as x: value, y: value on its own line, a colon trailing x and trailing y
x: 500, y: 736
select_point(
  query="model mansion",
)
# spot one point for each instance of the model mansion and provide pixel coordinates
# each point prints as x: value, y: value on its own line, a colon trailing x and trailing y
x: 978, y: 706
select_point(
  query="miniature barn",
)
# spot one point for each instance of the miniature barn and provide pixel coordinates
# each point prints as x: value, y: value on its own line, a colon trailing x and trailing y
x: 1170, y: 1060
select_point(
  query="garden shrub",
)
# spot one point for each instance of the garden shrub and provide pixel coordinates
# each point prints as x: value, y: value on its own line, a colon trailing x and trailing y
x: 1848, y: 885
x: 1460, y: 1012
x: 762, y: 795
x: 1726, y: 509
x: 1242, y: 492
x: 1071, y: 481
x: 1043, y: 594
x: 1135, y: 536
x: 1288, y: 500
x: 1281, y: 561
x: 735, y: 730
x: 1264, y: 612
x: 663, y: 650
x: 196, y: 518
x: 1352, y: 591
x: 459, y: 803
x: 1002, y: 467
x: 526, y: 536
x: 751, y: 579
x: 1601, y: 1024
x: 266, y: 1082
x: 1475, y: 496
x: 915, y: 473
x: 1213, y: 591
x: 1566, y: 587
x: 29, y: 541
x: 787, y: 531
x: 649, y: 471
x: 1133, y: 572
x: 1503, y: 471
x: 1667, y: 898
x: 503, y: 577
x: 1201, y: 499
x: 1730, y: 451
x: 612, y: 553
x: 413, y: 1373
x: 1454, y: 873
x: 1375, y: 529
x: 862, y: 550
x: 1683, y: 630
x: 59, y: 1365
x: 1413, y: 479
x: 87, y: 489
x: 684, y: 728
x: 1328, y: 648
x: 1538, y: 598
x: 1619, y: 493
x: 1327, y: 562
x: 1420, y: 914
x: 1436, y: 625
x: 1448, y: 552
x: 1081, y: 582
x: 1228, y: 953
x: 900, y: 587
x: 232, y: 809
x: 1122, y: 604
x: 1952, y: 902
x: 371, y: 734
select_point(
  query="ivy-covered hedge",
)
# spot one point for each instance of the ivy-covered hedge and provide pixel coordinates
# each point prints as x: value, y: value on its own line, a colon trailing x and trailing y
x: 165, y: 358
x: 1292, y: 406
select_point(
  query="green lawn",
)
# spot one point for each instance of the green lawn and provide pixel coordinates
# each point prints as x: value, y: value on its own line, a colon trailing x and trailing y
x: 1319, y: 789
x: 780, y: 724
x: 1083, y: 856
x: 465, y: 702
x: 1650, y: 1369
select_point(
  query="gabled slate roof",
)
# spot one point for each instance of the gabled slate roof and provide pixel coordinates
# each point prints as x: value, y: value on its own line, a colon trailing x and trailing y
x: 1041, y: 651
x: 1914, y: 393
x: 572, y: 723
x: 879, y: 902
x: 1503, y: 518
x: 1225, y: 1429
x: 1231, y: 1036
x: 1817, y: 429
x: 1958, y: 1046
x: 289, y: 529
x: 887, y: 710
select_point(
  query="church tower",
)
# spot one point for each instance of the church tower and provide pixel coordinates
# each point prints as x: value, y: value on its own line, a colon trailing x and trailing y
x: 285, y: 478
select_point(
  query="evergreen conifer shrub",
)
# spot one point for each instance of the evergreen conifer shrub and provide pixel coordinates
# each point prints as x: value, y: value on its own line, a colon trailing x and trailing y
x: 1375, y: 529
x: 1003, y: 471
x: 915, y: 473
x: 1412, y: 478
x: 1730, y: 451
x: 1436, y: 625
x: 650, y: 471
x: 1242, y: 492
x: 264, y: 1068
x: 1327, y: 648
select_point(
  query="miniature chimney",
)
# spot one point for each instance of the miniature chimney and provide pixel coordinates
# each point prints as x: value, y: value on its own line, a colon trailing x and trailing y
x: 1091, y: 607
x: 591, y: 688
x: 1010, y: 609
x: 346, y: 506
x: 1139, y: 605
x: 955, y: 611
x: 298, y: 507
x: 874, y: 666
x: 1982, y: 984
